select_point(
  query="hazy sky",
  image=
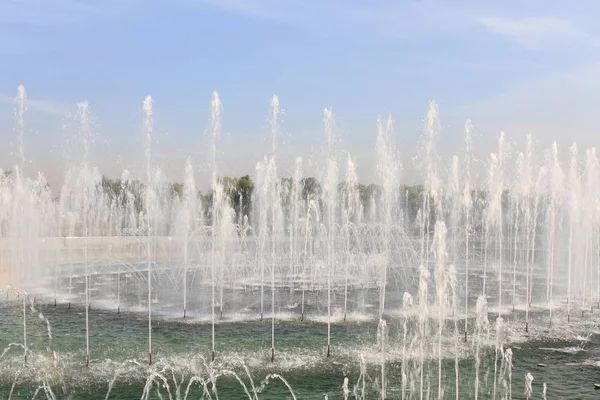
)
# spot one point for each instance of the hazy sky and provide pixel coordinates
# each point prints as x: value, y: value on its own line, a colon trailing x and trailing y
x: 515, y: 65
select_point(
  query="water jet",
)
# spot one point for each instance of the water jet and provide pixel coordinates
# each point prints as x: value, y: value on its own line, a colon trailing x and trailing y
x: 157, y: 247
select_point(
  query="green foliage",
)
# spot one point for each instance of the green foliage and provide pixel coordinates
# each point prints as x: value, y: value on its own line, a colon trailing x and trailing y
x: 241, y: 196
x: 7, y: 176
x: 239, y: 193
x: 121, y: 192
x: 176, y: 190
x: 207, y: 206
x: 413, y: 199
x: 310, y: 188
x: 113, y: 188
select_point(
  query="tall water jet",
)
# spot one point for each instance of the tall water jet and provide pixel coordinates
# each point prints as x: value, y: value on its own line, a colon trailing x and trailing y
x: 148, y: 127
x: 532, y: 236
x: 294, y: 188
x: 387, y: 170
x: 266, y: 189
x: 592, y: 198
x: 330, y: 199
x: 498, y: 350
x: 270, y: 217
x: 87, y: 204
x: 65, y: 205
x: 508, y: 360
x: 452, y: 280
x: 382, y: 339
x: 481, y: 327
x: 494, y: 217
x: 276, y: 214
x: 500, y: 217
x: 21, y: 107
x: 407, y: 302
x: 351, y: 217
x: 424, y: 276
x: 440, y: 253
x: 274, y: 123
x: 188, y: 210
x: 297, y: 191
x: 452, y: 201
x: 310, y: 193
x: 529, y: 203
x: 274, y: 132
x: 215, y: 122
x: 573, y: 204
x: 20, y: 103
x: 517, y: 199
x: 556, y: 186
x: 431, y: 184
x: 467, y: 204
x: 19, y: 191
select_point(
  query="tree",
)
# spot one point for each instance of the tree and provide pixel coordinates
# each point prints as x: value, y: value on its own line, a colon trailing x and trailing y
x: 7, y: 177
x: 239, y: 194
x: 413, y: 199
x: 111, y: 187
x: 176, y: 190
x: 242, y: 196
x: 122, y: 192
x: 311, y: 188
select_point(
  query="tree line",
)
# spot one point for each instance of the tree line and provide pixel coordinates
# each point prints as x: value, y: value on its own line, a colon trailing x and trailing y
x: 239, y: 191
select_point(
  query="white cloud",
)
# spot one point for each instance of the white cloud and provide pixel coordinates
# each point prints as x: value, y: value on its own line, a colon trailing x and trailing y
x: 43, y: 106
x: 533, y: 31
x: 559, y: 106
x: 410, y: 19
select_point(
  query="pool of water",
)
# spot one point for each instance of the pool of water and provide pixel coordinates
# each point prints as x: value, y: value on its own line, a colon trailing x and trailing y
x: 56, y: 366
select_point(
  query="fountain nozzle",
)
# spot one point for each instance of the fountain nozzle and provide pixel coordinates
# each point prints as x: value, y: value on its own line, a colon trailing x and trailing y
x: 328, y: 350
x: 272, y: 354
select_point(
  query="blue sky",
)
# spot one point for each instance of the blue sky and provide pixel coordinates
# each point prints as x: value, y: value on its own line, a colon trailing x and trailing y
x: 520, y: 66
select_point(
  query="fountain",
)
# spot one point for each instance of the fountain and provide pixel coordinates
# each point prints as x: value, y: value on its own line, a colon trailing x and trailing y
x: 196, y: 291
